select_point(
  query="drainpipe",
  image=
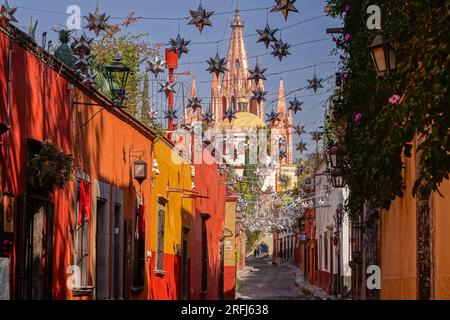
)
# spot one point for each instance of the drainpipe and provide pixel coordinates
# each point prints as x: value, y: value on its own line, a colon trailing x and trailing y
x: 8, y: 114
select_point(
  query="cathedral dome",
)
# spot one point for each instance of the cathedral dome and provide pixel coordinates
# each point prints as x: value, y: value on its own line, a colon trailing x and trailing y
x: 244, y: 121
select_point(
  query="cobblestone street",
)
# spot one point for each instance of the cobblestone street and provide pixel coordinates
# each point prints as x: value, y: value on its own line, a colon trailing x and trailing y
x: 263, y: 281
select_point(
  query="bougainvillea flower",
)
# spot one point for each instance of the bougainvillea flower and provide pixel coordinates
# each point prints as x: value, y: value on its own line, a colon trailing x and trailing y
x: 347, y: 7
x: 358, y: 117
x: 395, y: 99
x: 347, y: 37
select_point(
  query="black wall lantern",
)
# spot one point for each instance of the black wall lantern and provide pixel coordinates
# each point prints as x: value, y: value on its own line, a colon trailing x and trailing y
x: 117, y: 73
x: 337, y: 178
x: 140, y: 170
x: 336, y: 155
x: 383, y: 54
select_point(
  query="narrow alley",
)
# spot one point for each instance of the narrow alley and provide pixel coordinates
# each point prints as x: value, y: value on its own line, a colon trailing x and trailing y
x: 262, y: 280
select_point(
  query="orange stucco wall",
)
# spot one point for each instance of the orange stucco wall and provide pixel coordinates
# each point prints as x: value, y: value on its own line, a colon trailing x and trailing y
x: 398, y: 240
x: 105, y: 148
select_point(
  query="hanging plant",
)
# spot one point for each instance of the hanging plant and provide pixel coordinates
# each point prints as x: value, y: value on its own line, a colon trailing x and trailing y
x: 49, y: 169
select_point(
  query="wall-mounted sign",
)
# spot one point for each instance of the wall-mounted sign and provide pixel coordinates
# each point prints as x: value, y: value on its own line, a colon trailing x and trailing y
x: 227, y: 233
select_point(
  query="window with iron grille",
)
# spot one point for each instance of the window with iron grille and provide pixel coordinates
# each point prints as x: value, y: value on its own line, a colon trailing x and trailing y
x: 160, y: 240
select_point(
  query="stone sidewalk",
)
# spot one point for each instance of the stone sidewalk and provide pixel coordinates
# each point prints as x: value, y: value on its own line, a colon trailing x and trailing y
x: 307, y: 288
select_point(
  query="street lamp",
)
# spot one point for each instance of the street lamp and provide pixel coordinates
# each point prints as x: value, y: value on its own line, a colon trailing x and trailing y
x: 337, y: 178
x: 335, y: 155
x: 140, y: 170
x: 383, y: 54
x: 117, y: 73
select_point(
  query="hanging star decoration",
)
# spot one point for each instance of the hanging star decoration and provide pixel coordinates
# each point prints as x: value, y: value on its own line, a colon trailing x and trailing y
x: 167, y: 87
x: 179, y: 45
x: 88, y: 78
x: 230, y: 114
x: 7, y: 14
x: 152, y: 115
x: 217, y: 65
x: 171, y: 114
x: 257, y: 74
x: 273, y: 116
x: 267, y: 35
x: 315, y: 83
x: 283, y: 154
x: 316, y: 136
x: 208, y: 117
x: 259, y: 95
x: 200, y: 18
x: 299, y: 171
x: 295, y: 105
x: 82, y: 46
x: 280, y: 49
x: 299, y: 129
x: 301, y: 147
x: 97, y: 21
x: 156, y: 66
x: 284, y: 6
x: 82, y: 63
x: 194, y: 103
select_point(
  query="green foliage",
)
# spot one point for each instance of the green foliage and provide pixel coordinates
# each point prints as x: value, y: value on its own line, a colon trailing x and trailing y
x: 419, y: 31
x: 134, y: 52
x: 49, y: 169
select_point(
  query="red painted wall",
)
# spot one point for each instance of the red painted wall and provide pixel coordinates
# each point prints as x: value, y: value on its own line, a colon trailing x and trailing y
x: 39, y: 110
x: 207, y: 182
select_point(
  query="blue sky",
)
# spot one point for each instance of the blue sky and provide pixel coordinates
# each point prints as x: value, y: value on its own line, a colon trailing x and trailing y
x: 51, y: 13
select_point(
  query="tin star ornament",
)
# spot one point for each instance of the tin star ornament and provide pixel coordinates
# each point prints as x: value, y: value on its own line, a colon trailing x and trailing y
x: 230, y: 114
x: 200, y: 18
x: 156, y: 66
x: 267, y: 35
x: 284, y: 6
x: 273, y: 116
x: 259, y: 95
x: 299, y: 129
x: 88, y: 78
x: 217, y: 65
x: 97, y: 21
x: 82, y: 46
x: 316, y: 136
x: 315, y: 83
x: 7, y: 14
x: 257, y: 74
x: 301, y: 147
x: 179, y: 45
x: 295, y: 105
x: 280, y: 49
x: 171, y: 114
x: 167, y: 87
x: 152, y: 115
x: 208, y: 117
x: 194, y: 103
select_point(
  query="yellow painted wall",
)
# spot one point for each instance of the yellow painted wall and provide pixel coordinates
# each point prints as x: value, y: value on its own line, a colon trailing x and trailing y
x: 230, y: 223
x: 175, y: 172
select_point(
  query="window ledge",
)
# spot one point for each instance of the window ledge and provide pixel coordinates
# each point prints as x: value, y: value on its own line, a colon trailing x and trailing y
x: 82, y: 291
x: 160, y: 273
